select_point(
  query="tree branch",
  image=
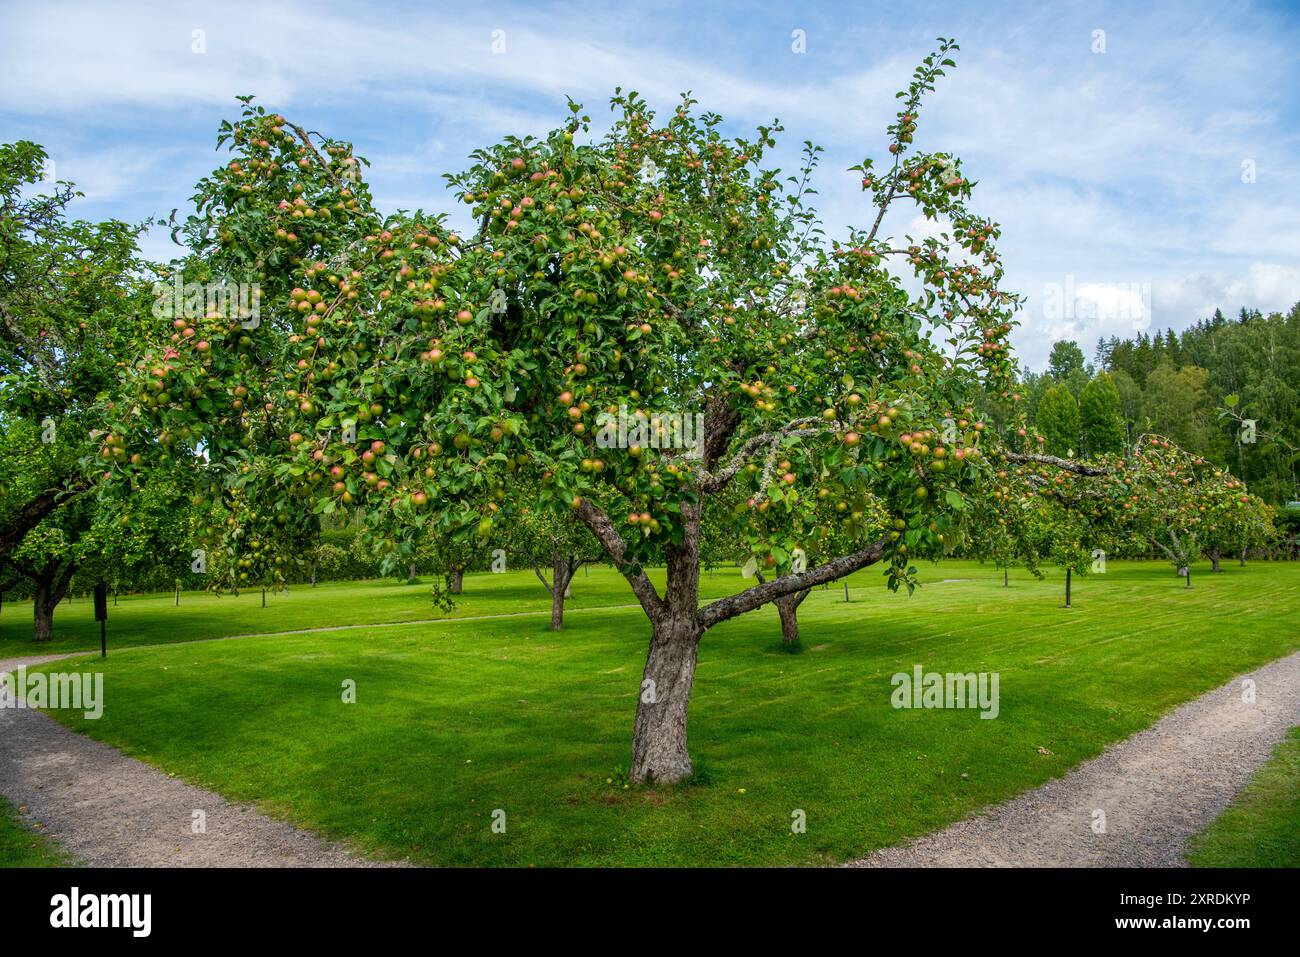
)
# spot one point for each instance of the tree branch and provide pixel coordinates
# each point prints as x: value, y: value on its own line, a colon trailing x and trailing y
x: 306, y: 142
x: 541, y: 578
x: 1078, y: 468
x: 711, y: 482
x: 599, y: 525
x: 759, y: 595
x: 721, y: 420
x: 33, y: 512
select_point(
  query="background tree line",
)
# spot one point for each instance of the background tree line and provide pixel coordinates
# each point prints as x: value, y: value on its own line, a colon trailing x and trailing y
x: 1195, y: 387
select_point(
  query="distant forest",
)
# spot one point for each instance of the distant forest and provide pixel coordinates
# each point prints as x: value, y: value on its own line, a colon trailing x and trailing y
x: 1202, y: 387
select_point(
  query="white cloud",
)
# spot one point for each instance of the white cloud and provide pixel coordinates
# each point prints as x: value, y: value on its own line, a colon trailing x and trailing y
x: 1268, y: 287
x: 1086, y: 311
x: 1117, y: 172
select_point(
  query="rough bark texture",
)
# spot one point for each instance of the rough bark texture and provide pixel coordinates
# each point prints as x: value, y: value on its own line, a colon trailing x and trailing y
x: 457, y: 580
x: 1214, y: 562
x: 557, y: 608
x: 1068, y: 465
x: 562, y: 568
x: 602, y: 528
x: 659, y: 748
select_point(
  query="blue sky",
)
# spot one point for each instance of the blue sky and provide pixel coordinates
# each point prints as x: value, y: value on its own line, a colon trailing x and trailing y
x: 1143, y: 175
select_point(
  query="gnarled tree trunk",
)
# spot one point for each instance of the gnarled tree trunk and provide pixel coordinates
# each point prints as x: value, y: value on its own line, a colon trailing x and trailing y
x: 50, y: 587
x: 457, y: 580
x: 1214, y: 562
x: 659, y: 751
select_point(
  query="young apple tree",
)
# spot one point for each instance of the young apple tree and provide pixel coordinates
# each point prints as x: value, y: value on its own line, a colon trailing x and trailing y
x: 1175, y: 500
x: 542, y: 538
x: 96, y: 537
x: 1039, y: 512
x: 1235, y: 521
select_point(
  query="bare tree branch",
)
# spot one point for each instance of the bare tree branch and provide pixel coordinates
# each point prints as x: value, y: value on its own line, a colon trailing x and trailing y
x: 711, y: 482
x: 542, y: 578
x: 599, y: 525
x: 1078, y: 468
x: 759, y: 595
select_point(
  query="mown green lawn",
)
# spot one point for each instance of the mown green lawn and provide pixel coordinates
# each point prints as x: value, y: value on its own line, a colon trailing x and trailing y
x: 20, y: 846
x: 157, y: 619
x: 1261, y: 828
x: 455, y: 720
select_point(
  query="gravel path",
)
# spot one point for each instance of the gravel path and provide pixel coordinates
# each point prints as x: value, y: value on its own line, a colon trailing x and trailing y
x: 109, y: 810
x: 1156, y: 789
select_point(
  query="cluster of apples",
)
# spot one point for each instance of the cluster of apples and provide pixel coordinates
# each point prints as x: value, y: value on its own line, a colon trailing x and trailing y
x: 244, y: 543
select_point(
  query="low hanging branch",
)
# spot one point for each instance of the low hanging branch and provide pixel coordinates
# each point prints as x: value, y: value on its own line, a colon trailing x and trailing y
x: 760, y: 595
x: 33, y: 512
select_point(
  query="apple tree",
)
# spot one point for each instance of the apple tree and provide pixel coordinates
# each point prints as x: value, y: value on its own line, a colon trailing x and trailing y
x: 70, y: 292
x: 1174, y: 500
x: 658, y: 299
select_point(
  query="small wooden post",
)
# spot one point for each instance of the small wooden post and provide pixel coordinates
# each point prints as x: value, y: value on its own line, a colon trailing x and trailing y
x: 101, y: 615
